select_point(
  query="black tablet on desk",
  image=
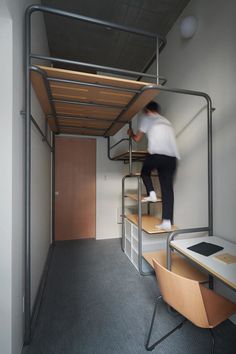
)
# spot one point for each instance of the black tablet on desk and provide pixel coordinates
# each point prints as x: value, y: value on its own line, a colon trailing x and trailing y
x: 205, y: 248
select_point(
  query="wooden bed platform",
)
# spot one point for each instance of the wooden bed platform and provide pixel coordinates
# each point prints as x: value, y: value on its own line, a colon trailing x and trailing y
x: 88, y: 104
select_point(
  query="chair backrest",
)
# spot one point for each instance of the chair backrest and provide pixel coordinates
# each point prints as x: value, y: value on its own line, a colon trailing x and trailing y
x: 182, y: 294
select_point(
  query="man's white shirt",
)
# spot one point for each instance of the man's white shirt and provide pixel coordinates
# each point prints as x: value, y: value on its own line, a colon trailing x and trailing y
x: 160, y: 135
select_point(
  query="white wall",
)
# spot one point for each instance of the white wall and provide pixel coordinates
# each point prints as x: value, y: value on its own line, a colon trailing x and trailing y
x: 12, y: 179
x: 40, y: 201
x: 108, y: 193
x: 207, y: 62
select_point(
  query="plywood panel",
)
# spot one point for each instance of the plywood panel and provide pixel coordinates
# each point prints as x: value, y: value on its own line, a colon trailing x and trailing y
x: 75, y: 204
x: 87, y: 111
x: 115, y: 103
x: 40, y: 89
x: 79, y: 131
x: 141, y: 101
x: 52, y: 124
x: 148, y: 223
x: 90, y: 94
x: 84, y: 123
x: 91, y: 78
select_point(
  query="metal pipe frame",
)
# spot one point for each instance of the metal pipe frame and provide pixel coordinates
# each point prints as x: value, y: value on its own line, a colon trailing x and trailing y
x: 42, y: 134
x: 157, y: 60
x: 98, y: 67
x: 140, y: 236
x: 46, y: 79
x: 95, y: 21
x: 109, y: 147
x: 130, y: 152
x: 171, y: 235
x: 48, y: 90
x: 123, y: 215
x: 27, y: 266
x: 125, y: 139
x: 62, y: 116
x: 210, y: 109
x: 53, y: 187
x: 28, y: 56
x: 168, y: 248
x: 84, y: 83
x: 45, y: 9
x: 77, y: 127
x: 129, y: 104
x: 79, y: 103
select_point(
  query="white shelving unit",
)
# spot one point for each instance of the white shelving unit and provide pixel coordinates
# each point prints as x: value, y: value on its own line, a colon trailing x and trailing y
x: 139, y: 234
x: 150, y: 243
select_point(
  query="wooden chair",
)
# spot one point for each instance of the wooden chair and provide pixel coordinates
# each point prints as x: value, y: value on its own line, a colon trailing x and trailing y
x: 200, y: 305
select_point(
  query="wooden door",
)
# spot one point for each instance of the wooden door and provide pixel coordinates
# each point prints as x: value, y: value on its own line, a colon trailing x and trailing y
x: 75, y: 185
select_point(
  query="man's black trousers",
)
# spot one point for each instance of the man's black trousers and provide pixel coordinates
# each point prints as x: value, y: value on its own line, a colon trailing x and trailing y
x: 165, y: 166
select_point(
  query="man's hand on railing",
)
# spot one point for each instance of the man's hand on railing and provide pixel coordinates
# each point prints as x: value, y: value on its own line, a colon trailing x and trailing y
x: 130, y: 132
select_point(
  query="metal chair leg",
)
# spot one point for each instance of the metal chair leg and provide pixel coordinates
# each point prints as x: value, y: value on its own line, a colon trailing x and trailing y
x: 213, y: 341
x: 151, y: 347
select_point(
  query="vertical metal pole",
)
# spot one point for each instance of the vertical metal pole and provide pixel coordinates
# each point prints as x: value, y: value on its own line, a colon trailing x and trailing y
x: 46, y: 129
x: 27, y: 294
x: 210, y: 179
x: 123, y: 214
x: 108, y: 147
x: 140, y: 248
x: 53, y: 188
x: 168, y: 250
x: 157, y: 60
x: 130, y: 152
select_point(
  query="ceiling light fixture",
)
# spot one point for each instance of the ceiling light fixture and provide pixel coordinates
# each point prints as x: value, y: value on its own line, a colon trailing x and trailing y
x: 188, y: 27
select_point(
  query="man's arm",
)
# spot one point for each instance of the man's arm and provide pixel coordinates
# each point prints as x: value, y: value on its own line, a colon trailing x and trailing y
x: 136, y: 137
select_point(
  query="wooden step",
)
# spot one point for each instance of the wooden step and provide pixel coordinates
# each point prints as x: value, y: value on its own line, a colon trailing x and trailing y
x: 134, y: 196
x: 148, y: 223
x: 136, y: 156
x: 179, y: 265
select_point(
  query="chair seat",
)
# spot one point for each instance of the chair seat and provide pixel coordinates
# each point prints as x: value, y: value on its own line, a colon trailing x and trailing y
x: 200, y: 305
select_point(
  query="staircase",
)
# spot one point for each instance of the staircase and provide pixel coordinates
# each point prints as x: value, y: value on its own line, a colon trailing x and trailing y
x: 139, y: 219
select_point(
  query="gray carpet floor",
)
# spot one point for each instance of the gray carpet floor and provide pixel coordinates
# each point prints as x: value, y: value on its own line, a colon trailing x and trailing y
x: 95, y: 302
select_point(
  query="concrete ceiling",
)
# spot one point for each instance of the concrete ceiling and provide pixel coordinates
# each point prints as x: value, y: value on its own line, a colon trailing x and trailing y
x: 75, y: 40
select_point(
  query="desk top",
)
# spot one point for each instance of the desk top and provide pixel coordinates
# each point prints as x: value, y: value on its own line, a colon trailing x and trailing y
x: 224, y: 271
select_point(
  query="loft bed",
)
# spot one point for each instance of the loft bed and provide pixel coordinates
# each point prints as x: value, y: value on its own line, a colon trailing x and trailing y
x: 89, y: 104
x: 82, y: 103
x: 79, y: 103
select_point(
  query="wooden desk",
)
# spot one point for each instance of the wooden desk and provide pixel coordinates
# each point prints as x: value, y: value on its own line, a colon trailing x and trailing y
x: 223, y: 271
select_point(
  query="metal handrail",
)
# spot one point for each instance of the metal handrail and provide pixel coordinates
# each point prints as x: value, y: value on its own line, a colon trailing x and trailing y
x: 178, y: 232
x: 98, y: 67
x: 34, y: 8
